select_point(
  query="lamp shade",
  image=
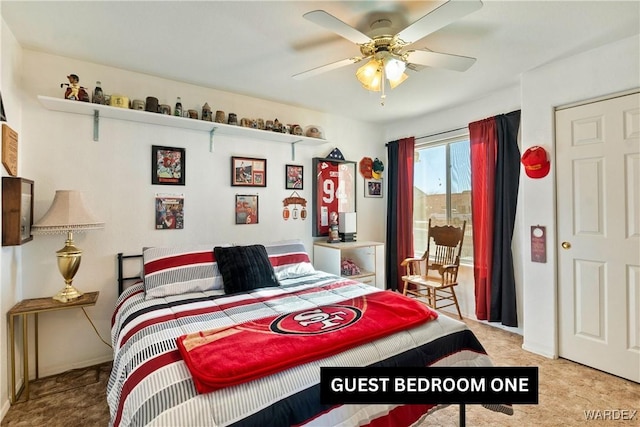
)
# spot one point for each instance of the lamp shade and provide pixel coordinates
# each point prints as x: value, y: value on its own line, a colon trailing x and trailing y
x: 67, y: 213
x: 347, y: 222
x: 370, y: 75
x: 394, y: 68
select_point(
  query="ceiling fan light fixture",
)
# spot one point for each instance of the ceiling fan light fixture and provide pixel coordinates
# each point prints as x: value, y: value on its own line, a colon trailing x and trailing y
x: 375, y: 84
x: 394, y: 68
x: 370, y: 75
x: 395, y: 82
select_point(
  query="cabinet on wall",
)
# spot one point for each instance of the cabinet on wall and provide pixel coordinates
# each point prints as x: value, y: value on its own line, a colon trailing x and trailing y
x: 17, y: 210
x: 368, y: 256
x: 98, y: 111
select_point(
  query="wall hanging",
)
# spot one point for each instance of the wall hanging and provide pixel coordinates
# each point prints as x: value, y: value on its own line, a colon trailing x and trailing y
x: 247, y: 209
x: 169, y: 211
x: 296, y: 201
x: 294, y: 177
x: 334, y: 191
x: 168, y: 165
x: 10, y: 150
x: 373, y: 188
x: 536, y: 163
x: 248, y: 172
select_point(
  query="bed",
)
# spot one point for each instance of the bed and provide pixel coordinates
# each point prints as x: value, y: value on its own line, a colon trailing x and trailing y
x: 187, y: 290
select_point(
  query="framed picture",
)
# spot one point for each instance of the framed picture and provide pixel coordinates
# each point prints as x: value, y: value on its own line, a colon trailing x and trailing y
x: 169, y: 211
x: 247, y: 209
x: 334, y: 191
x: 248, y: 172
x: 294, y: 177
x: 168, y: 165
x: 373, y: 188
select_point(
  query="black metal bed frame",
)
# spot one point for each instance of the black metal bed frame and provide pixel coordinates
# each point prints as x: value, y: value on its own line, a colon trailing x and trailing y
x: 121, y: 277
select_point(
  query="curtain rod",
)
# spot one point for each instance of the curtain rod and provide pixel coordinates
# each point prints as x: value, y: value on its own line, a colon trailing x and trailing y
x: 435, y: 134
x: 440, y: 133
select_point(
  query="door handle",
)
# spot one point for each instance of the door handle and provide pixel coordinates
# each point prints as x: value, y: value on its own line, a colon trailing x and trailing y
x: 566, y: 245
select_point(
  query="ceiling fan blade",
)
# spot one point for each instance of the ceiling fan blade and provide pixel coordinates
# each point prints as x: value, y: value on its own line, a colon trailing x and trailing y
x: 440, y: 60
x: 332, y: 23
x: 325, y: 68
x: 440, y: 17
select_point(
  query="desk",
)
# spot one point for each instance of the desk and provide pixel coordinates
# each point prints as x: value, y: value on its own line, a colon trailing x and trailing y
x: 35, y: 306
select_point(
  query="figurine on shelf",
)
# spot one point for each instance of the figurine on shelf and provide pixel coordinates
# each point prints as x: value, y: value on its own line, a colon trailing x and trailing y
x: 296, y: 130
x: 334, y: 236
x: 206, y: 113
x: 74, y: 91
x: 98, y: 95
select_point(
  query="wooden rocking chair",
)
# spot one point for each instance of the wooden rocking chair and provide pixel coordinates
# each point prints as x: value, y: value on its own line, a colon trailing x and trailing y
x: 441, y: 261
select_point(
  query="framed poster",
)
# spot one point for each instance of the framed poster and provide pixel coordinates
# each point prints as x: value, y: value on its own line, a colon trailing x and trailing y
x: 373, y: 188
x: 169, y: 211
x: 334, y: 191
x: 247, y: 209
x: 294, y: 177
x: 168, y: 165
x: 248, y: 172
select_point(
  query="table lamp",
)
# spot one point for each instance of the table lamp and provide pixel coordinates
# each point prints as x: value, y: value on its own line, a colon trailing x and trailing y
x: 347, y: 226
x: 67, y: 214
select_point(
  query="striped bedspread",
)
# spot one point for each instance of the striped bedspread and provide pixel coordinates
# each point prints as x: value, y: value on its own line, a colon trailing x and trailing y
x: 151, y: 385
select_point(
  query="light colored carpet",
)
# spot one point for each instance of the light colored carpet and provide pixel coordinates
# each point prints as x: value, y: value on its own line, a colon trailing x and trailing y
x: 567, y: 391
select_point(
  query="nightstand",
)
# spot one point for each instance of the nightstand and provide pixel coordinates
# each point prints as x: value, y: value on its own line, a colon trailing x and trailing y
x: 369, y: 256
x: 36, y: 306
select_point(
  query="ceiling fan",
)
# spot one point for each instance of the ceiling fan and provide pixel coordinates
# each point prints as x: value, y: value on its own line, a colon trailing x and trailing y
x: 387, y: 53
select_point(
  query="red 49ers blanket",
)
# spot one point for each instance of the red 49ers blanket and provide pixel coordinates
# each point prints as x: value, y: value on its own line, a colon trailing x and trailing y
x: 232, y: 355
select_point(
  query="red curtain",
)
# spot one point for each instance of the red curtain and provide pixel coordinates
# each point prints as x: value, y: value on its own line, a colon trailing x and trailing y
x: 406, y: 149
x: 483, y: 164
x: 399, y: 209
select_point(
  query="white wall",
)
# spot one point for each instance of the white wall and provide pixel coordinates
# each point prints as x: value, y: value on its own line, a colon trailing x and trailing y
x: 11, y: 262
x: 58, y: 152
x: 602, y: 71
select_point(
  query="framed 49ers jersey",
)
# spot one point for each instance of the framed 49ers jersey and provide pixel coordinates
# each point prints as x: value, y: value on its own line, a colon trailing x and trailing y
x: 334, y: 191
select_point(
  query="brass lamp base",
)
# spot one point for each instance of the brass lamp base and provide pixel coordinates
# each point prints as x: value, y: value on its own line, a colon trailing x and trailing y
x: 69, y: 259
x: 69, y: 293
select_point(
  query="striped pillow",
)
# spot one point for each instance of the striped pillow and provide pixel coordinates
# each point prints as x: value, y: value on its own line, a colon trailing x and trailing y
x: 179, y: 270
x: 289, y: 259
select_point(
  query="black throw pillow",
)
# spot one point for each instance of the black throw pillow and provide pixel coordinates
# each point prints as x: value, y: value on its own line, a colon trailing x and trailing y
x: 244, y: 268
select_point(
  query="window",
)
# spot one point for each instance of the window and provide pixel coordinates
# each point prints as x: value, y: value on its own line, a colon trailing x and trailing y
x: 442, y: 189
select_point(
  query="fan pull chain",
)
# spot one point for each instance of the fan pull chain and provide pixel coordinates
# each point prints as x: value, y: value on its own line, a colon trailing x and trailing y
x: 383, y: 96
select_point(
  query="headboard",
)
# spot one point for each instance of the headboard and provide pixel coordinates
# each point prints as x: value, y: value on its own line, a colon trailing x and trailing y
x: 121, y: 275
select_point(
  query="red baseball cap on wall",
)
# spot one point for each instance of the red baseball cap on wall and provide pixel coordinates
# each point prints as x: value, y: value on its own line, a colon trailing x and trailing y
x: 536, y: 164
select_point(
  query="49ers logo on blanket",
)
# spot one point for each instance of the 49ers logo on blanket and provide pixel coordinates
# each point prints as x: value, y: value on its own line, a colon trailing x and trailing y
x: 328, y: 318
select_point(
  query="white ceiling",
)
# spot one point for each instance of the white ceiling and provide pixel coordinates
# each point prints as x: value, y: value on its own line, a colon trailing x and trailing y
x: 254, y: 47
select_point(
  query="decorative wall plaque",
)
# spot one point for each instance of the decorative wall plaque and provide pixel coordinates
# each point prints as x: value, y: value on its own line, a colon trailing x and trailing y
x: 10, y: 150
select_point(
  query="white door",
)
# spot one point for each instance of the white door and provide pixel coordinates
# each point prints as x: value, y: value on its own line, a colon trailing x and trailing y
x: 598, y: 214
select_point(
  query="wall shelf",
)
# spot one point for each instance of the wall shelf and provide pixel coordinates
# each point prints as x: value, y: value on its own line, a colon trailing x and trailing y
x: 98, y: 111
